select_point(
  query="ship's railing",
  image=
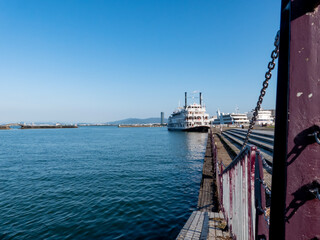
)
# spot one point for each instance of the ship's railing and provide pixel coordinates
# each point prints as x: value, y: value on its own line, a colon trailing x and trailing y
x: 242, y: 193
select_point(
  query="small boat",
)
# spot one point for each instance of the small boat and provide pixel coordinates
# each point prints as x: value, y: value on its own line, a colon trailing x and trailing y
x: 191, y: 118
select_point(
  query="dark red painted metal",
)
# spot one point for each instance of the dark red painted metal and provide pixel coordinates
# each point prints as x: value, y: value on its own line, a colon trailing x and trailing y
x: 261, y: 223
x: 303, y: 166
x: 231, y: 177
x: 250, y: 153
x: 251, y: 185
x: 254, y: 170
x: 295, y: 211
x: 277, y: 222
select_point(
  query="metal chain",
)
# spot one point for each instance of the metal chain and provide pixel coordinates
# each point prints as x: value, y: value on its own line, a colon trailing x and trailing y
x: 265, y: 186
x: 266, y: 214
x: 271, y: 65
x: 265, y: 165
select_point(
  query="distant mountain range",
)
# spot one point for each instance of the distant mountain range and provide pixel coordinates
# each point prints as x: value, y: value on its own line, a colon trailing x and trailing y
x: 138, y: 121
x: 124, y: 121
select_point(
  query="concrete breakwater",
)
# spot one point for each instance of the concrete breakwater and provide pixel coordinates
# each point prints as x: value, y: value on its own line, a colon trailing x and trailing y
x: 47, y: 126
x: 39, y: 126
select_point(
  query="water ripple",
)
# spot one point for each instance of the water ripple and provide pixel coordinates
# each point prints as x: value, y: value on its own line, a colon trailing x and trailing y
x: 98, y: 183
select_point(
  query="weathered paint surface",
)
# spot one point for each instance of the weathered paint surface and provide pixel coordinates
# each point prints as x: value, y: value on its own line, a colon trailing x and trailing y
x: 295, y: 210
x: 262, y: 225
x: 302, y: 213
x: 240, y: 186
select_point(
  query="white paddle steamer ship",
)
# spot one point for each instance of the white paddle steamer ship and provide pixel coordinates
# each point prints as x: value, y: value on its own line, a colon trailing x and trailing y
x: 192, y: 118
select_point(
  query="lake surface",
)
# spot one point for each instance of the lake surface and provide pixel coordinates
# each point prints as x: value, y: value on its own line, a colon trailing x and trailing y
x: 98, y: 182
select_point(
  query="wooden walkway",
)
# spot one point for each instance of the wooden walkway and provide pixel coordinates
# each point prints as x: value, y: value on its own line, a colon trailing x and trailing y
x: 205, y: 200
x: 196, y: 227
x: 205, y: 226
x: 206, y: 222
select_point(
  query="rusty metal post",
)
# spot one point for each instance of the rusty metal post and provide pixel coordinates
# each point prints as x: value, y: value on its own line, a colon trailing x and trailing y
x: 277, y: 209
x: 295, y: 207
x: 262, y: 229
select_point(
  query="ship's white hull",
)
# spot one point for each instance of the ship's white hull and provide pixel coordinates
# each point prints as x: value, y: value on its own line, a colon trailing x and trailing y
x: 190, y: 129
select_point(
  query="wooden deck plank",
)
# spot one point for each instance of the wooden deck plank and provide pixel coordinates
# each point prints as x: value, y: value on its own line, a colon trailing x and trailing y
x: 205, y: 199
x: 185, y: 228
x: 199, y: 226
x: 193, y: 226
x: 214, y: 231
x: 197, y: 231
x: 205, y: 227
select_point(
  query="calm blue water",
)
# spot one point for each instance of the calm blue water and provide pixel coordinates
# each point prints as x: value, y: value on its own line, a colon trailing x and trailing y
x: 98, y: 182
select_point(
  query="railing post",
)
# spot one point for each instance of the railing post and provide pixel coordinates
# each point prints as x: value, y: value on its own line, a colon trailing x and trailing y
x: 251, y: 187
x: 260, y: 201
x: 280, y: 138
x: 295, y: 208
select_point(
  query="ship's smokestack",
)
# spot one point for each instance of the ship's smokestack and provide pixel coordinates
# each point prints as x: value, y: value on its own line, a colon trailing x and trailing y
x: 185, y: 99
x: 200, y: 98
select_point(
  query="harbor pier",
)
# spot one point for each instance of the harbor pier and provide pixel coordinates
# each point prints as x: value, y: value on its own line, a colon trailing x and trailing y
x: 209, y: 221
x: 290, y: 209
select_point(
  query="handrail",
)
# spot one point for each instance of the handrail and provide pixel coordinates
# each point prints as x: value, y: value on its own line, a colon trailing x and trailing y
x: 238, y: 158
x: 242, y: 193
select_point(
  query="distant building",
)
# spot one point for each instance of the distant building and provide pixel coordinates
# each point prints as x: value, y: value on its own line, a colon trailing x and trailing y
x: 236, y: 119
x: 162, y: 118
x: 265, y: 117
x: 273, y: 113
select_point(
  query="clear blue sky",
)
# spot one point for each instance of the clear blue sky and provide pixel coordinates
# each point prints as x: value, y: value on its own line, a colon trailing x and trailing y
x: 99, y: 61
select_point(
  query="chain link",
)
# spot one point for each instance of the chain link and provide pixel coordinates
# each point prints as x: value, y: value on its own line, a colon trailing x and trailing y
x: 265, y: 84
x: 266, y: 214
x: 265, y: 186
x: 265, y: 165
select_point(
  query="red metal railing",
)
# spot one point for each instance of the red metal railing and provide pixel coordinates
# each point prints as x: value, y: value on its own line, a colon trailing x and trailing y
x: 242, y: 193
